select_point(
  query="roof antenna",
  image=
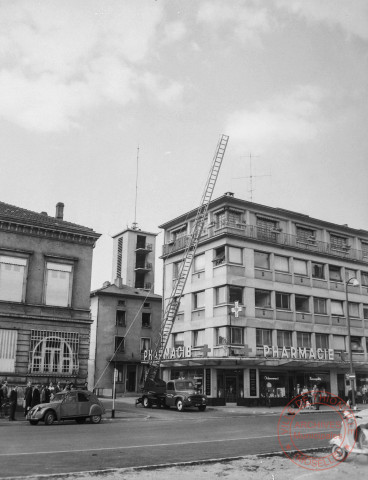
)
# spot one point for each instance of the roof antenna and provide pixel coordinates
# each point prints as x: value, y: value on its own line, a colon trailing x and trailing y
x: 135, y: 225
x: 251, y: 176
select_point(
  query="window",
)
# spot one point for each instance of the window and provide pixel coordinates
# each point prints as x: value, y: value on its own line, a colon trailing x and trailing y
x: 303, y: 339
x: 12, y: 278
x: 120, y: 318
x: 322, y: 340
x: 146, y: 305
x: 320, y: 306
x: 176, y: 269
x: 58, y: 284
x: 301, y: 303
x: 83, y: 397
x: 354, y: 309
x: 262, y: 299
x: 337, y: 308
x: 235, y: 294
x: 283, y: 301
x: 305, y: 235
x: 236, y: 335
x: 334, y: 273
x: 230, y: 335
x: 262, y: 260
x: 229, y: 294
x: 235, y: 255
x: 284, y: 338
x: 231, y: 218
x: 179, y: 232
x: 146, y: 319
x: 221, y: 295
x: 338, y: 243
x: 339, y: 343
x: 119, y: 344
x: 178, y: 340
x: 318, y: 270
x: 121, y: 303
x: 198, y: 338
x: 220, y: 219
x: 356, y: 344
x: 263, y: 337
x: 221, y: 336
x: 53, y: 352
x: 365, y: 311
x: 219, y: 255
x: 365, y: 249
x: 266, y: 229
x: 281, y: 263
x: 364, y: 277
x: 199, y: 263
x: 145, y: 344
x: 350, y: 274
x: 120, y: 369
x: 8, y: 350
x: 300, y: 267
x: 198, y: 300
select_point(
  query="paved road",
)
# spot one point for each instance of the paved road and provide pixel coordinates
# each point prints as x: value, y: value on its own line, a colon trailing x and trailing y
x: 139, y: 437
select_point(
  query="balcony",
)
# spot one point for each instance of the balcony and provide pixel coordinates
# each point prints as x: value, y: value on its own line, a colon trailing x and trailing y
x: 143, y: 267
x: 261, y: 235
x: 144, y: 248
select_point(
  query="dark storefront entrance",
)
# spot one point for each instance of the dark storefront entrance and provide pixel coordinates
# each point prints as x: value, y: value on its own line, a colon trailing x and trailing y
x: 230, y: 385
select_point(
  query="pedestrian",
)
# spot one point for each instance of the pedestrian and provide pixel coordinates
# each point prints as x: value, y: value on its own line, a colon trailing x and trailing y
x: 13, y: 398
x: 27, y: 397
x: 1, y: 401
x: 5, y: 389
x: 36, y: 396
x: 47, y: 394
x: 364, y: 393
x: 43, y: 394
x: 57, y: 388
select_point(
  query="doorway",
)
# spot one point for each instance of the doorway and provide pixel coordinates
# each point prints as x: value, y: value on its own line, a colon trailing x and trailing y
x: 131, y: 378
x: 231, y: 389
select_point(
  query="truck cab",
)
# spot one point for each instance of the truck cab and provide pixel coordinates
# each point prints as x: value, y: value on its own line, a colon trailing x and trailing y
x: 183, y: 394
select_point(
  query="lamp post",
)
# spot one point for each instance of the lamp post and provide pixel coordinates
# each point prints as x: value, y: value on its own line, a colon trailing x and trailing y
x: 354, y: 281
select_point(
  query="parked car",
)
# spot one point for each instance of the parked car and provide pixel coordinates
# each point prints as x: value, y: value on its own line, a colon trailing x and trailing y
x: 75, y: 405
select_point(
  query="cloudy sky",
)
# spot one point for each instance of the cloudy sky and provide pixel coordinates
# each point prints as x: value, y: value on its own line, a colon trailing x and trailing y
x: 83, y: 83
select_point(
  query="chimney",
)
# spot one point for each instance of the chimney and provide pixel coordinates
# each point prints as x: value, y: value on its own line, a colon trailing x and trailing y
x: 59, y: 211
x: 119, y: 282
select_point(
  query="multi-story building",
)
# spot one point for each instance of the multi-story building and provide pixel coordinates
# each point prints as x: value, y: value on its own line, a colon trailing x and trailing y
x: 126, y: 315
x: 45, y: 279
x: 265, y: 305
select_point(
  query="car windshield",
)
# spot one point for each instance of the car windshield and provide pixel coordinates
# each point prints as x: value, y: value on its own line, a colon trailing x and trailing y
x: 186, y: 385
x: 58, y: 397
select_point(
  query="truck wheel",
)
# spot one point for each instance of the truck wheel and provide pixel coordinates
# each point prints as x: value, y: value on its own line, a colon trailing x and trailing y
x: 202, y: 408
x: 146, y: 403
x: 179, y: 405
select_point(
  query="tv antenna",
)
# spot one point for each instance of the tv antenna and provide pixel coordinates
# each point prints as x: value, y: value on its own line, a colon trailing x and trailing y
x: 251, y: 176
x: 135, y: 225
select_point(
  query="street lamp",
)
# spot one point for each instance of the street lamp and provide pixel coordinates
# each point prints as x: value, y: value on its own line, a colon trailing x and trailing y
x: 354, y: 282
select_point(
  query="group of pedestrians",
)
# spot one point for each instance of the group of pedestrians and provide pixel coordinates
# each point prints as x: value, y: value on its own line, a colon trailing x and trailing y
x: 8, y: 399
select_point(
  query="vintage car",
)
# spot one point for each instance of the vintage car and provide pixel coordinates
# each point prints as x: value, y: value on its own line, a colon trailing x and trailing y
x: 75, y: 405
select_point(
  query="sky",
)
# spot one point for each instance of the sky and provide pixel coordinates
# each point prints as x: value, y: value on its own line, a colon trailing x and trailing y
x: 89, y: 90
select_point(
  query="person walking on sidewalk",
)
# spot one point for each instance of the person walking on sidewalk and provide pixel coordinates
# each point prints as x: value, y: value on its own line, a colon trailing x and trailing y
x: 13, y: 398
x: 27, y: 397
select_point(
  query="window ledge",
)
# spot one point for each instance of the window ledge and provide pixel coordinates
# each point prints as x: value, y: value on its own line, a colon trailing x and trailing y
x: 200, y: 309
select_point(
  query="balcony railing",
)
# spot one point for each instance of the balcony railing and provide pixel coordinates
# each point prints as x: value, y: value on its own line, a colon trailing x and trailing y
x: 144, y: 266
x: 147, y: 247
x: 274, y: 237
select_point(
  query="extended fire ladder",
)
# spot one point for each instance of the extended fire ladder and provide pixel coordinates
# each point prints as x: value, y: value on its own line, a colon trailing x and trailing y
x: 191, y: 245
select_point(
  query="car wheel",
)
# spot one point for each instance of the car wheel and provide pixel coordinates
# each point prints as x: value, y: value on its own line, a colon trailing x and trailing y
x: 146, y: 402
x: 49, y: 418
x: 339, y: 453
x: 179, y: 405
x: 202, y: 408
x: 33, y: 422
x: 81, y: 420
x: 362, y: 440
x: 95, y: 419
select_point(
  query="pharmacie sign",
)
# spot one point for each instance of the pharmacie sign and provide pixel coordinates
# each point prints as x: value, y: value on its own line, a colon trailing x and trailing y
x: 298, y: 353
x: 169, y: 354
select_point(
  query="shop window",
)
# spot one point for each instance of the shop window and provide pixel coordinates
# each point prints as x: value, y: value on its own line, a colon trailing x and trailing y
x: 198, y: 300
x: 146, y: 319
x: 364, y: 278
x: 337, y: 309
x: 302, y: 303
x: 354, y: 309
x: 318, y: 270
x: 303, y: 339
x: 263, y: 337
x: 199, y: 263
x: 119, y: 344
x: 284, y: 338
x: 320, y: 306
x: 281, y: 264
x: 262, y: 260
x: 300, y: 267
x: 198, y: 338
x: 262, y: 299
x: 178, y: 340
x: 283, y: 301
x: 339, y: 343
x: 12, y: 278
x: 145, y: 344
x: 322, y: 340
x: 120, y: 318
x: 58, y: 284
x: 273, y: 384
x: 365, y: 311
x: 334, y: 273
x: 356, y: 344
